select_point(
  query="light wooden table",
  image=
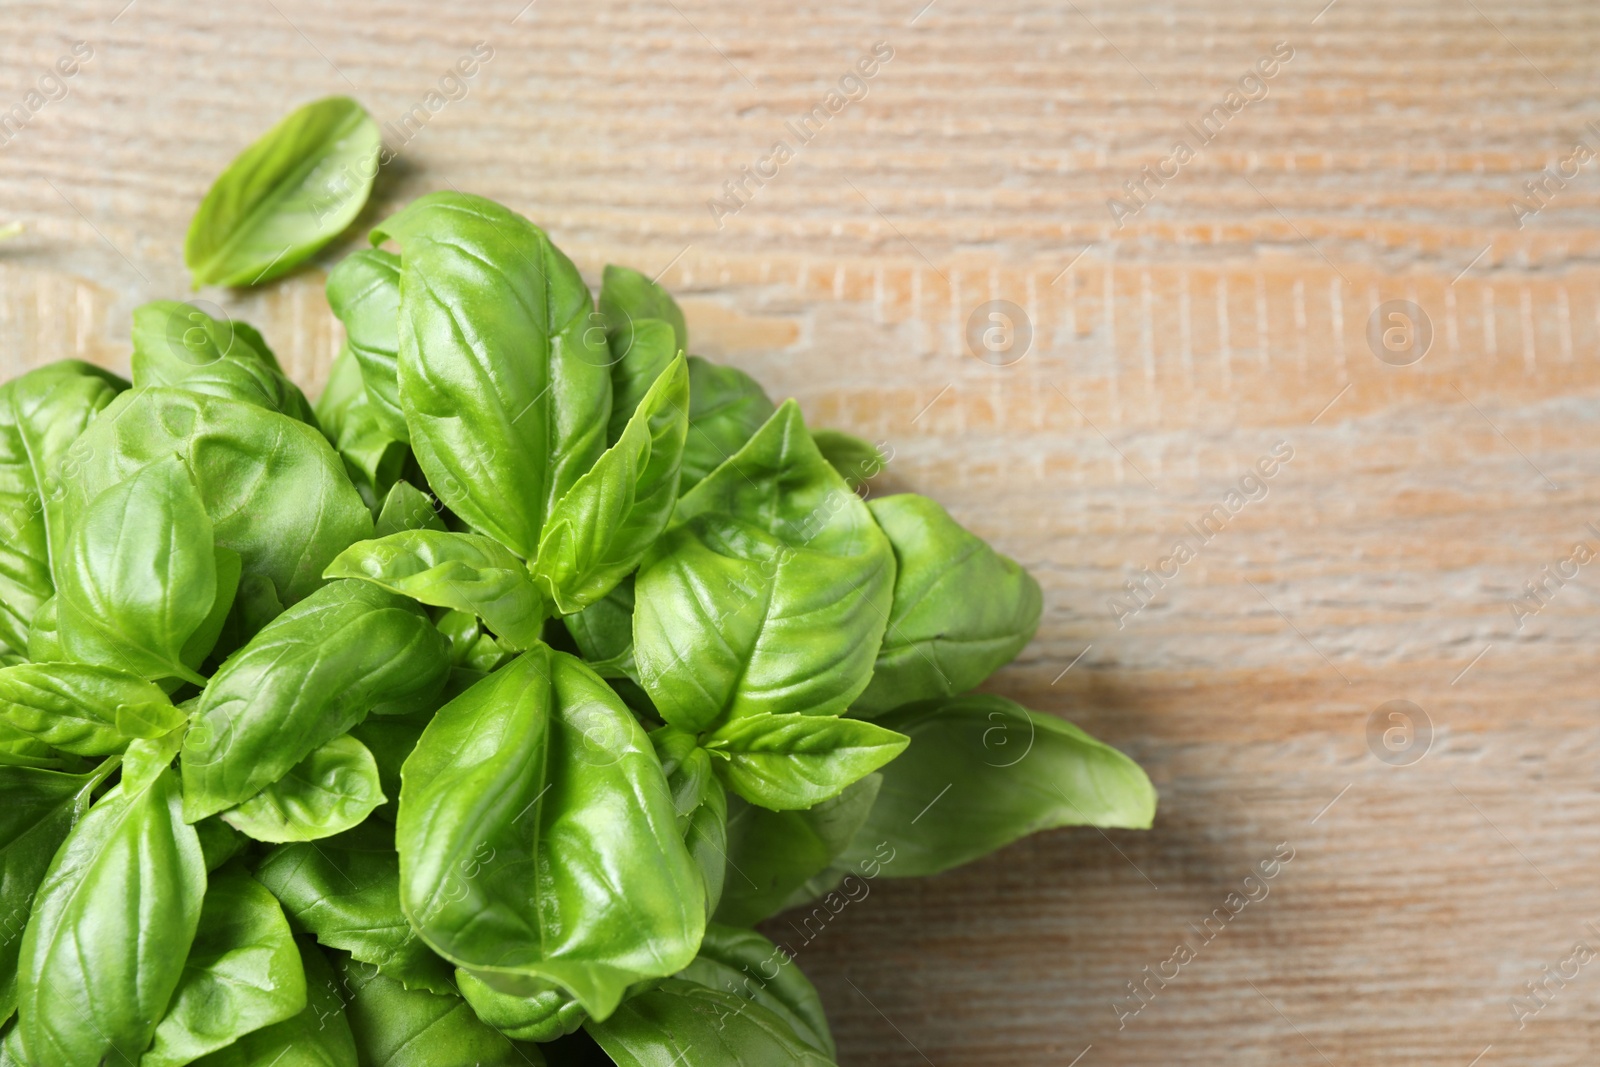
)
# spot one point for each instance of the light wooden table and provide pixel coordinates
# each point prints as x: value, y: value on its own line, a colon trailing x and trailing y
x: 1167, y: 354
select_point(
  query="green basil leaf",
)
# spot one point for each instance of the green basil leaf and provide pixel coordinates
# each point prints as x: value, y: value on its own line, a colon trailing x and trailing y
x: 18, y: 749
x: 286, y: 196
x: 628, y: 298
x: 771, y: 854
x: 525, y: 793
x: 243, y: 973
x: 42, y: 414
x: 701, y: 804
x: 996, y: 772
x: 539, y: 1016
x: 390, y: 739
x: 346, y: 891
x: 219, y: 841
x: 112, y: 924
x: 372, y: 455
x: 770, y: 591
x: 504, y: 381
x: 307, y: 677
x: 364, y: 293
x: 317, y: 1037
x: 744, y: 963
x: 600, y: 529
x: 85, y: 710
x: 179, y: 345
x: 407, y: 508
x: 685, y: 1022
x: 857, y: 461
x: 603, y: 632
x: 641, y: 355
x: 203, y: 642
x: 961, y: 610
x: 726, y: 408
x: 792, y: 762
x: 140, y: 575
x: 467, y: 572
x: 328, y: 792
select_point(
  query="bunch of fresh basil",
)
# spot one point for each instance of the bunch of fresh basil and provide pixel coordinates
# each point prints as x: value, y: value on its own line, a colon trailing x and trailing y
x: 476, y: 713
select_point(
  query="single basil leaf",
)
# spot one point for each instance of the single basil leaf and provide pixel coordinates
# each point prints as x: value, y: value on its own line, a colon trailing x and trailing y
x: 467, y: 572
x: 603, y: 632
x: 85, y: 710
x: 180, y: 345
x: 243, y: 973
x: 792, y: 762
x: 504, y: 382
x: 600, y: 529
x: 997, y: 772
x: 373, y: 456
x: 219, y: 841
x: 771, y: 854
x: 18, y: 749
x: 328, y: 792
x: 140, y: 575
x: 685, y: 1022
x: 41, y: 415
x: 317, y: 1037
x: 641, y: 355
x: 37, y: 810
x: 744, y: 963
x: 769, y: 592
x: 857, y: 461
x: 112, y: 924
x: 346, y: 891
x: 407, y: 508
x: 525, y: 793
x: 307, y: 677
x: 539, y: 1016
x: 627, y: 298
x: 961, y: 610
x: 147, y: 757
x: 364, y: 293
x: 726, y: 408
x: 276, y: 492
x: 286, y: 196
x: 701, y: 804
x: 44, y: 636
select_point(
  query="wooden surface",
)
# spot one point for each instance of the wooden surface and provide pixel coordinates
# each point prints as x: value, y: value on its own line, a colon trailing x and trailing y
x: 1226, y: 316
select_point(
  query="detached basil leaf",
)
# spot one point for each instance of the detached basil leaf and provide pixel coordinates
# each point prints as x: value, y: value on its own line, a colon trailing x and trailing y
x: 328, y: 792
x: 407, y: 508
x: 769, y: 592
x: 180, y: 345
x: 467, y: 572
x: 857, y: 461
x: 687, y: 1022
x: 744, y: 963
x: 503, y: 380
x: 364, y: 292
x: 243, y: 973
x: 791, y: 762
x: 542, y: 1016
x: 307, y: 677
x: 600, y: 529
x: 524, y: 794
x: 317, y: 1037
x: 603, y: 632
x: 285, y: 196
x: 701, y: 804
x: 88, y: 711
x: 112, y: 924
x: 999, y: 772
x: 726, y: 408
x: 961, y: 610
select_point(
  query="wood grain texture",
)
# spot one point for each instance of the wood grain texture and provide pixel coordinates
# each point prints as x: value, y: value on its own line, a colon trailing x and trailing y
x: 1226, y: 316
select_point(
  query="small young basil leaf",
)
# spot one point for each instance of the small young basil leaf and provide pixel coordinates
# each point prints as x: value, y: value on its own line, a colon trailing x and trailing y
x: 628, y: 298
x: 544, y: 1015
x: 94, y: 980
x: 328, y: 792
x: 793, y: 762
x: 600, y: 529
x: 147, y: 757
x: 364, y: 293
x: 243, y: 973
x: 37, y: 810
x: 687, y: 1022
x: 44, y: 636
x: 726, y: 408
x: 41, y: 415
x: 540, y: 768
x: 307, y: 677
x: 372, y: 454
x: 346, y: 891
x: 140, y: 576
x: 771, y: 854
x: 286, y: 196
x: 180, y: 345
x: 85, y: 710
x: 641, y: 356
x: 997, y: 772
x: 603, y: 632
x: 504, y: 379
x: 961, y: 610
x: 769, y: 592
x: 317, y: 1037
x: 701, y: 804
x: 737, y: 961
x: 407, y: 508
x: 857, y: 461
x: 467, y: 572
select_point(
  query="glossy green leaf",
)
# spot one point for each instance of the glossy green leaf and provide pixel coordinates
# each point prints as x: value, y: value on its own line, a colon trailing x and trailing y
x: 792, y: 762
x: 407, y: 508
x: 307, y: 677
x: 181, y: 346
x: 364, y: 293
x: 525, y: 795
x: 544, y: 1015
x: 243, y: 973
x: 769, y: 592
x: 961, y: 610
x: 328, y: 792
x: 372, y: 454
x: 857, y: 461
x: 219, y: 841
x: 317, y: 1037
x: 701, y: 804
x: 603, y: 632
x: 399, y: 1027
x: 286, y: 196
x: 982, y: 771
x: 627, y: 298
x: 744, y: 963
x: 726, y: 408
x: 89, y: 711
x: 504, y: 379
x: 685, y: 1022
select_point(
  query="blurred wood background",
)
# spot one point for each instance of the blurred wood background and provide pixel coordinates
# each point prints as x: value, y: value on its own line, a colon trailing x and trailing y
x: 1227, y: 314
